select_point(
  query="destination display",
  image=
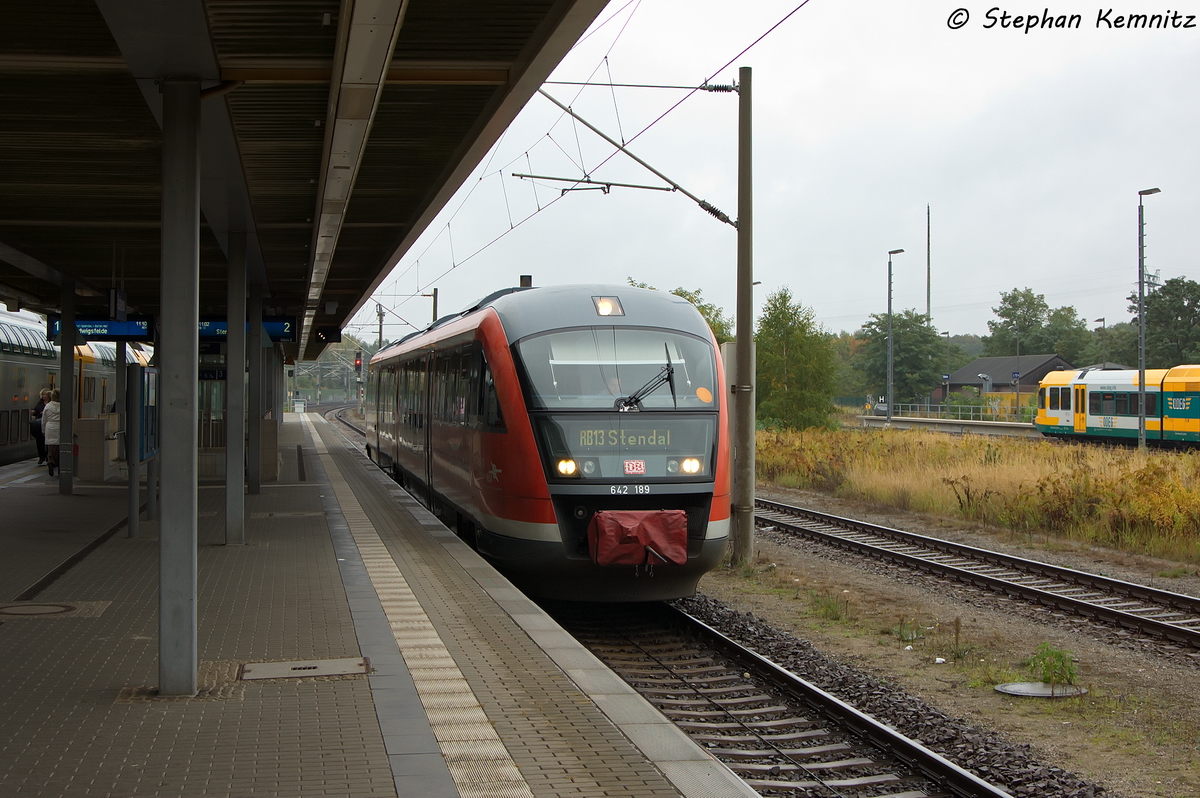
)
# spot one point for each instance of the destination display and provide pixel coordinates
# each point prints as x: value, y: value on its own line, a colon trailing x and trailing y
x: 281, y: 329
x: 134, y: 328
x: 620, y: 446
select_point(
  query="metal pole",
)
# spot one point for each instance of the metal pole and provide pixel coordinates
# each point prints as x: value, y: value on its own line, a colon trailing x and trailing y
x: 119, y: 379
x: 66, y: 390
x: 179, y: 359
x: 889, y: 343
x: 235, y: 393
x: 254, y: 402
x: 742, y: 533
x: 152, y: 488
x: 435, y: 292
x: 133, y: 432
x: 379, y: 312
x: 1141, y: 327
x: 1142, y: 321
x: 890, y: 350
x: 1018, y: 331
x: 946, y: 392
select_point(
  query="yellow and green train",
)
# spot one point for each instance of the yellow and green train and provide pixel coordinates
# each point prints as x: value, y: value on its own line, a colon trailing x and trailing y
x: 1104, y: 404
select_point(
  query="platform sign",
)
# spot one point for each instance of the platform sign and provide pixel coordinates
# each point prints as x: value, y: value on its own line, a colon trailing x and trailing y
x: 134, y: 328
x: 1016, y: 375
x: 280, y: 329
x: 945, y: 378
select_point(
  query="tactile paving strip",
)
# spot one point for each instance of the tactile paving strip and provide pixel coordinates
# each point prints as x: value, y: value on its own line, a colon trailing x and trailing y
x: 477, y: 759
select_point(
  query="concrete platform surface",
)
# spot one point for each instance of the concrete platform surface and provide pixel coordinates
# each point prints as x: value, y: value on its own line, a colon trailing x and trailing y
x: 472, y: 689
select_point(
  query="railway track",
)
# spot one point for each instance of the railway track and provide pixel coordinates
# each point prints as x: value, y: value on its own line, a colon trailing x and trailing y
x: 1155, y: 613
x: 780, y: 733
x: 337, y: 414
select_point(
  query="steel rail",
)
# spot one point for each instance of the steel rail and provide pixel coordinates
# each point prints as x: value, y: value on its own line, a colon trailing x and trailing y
x: 1125, y: 604
x: 929, y: 764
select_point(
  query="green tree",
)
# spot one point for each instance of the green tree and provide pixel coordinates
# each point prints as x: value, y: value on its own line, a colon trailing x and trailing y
x: 797, y: 364
x: 1065, y: 335
x: 971, y: 344
x: 1172, y: 323
x: 718, y: 322
x: 919, y: 355
x: 1027, y: 321
x: 850, y: 381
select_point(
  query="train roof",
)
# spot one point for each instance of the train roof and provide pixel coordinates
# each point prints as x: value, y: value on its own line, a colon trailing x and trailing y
x: 528, y: 311
x: 1106, y: 376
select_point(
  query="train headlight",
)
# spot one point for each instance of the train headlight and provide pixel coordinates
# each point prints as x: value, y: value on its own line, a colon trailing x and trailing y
x: 567, y: 468
x: 691, y: 466
x: 608, y: 306
x: 672, y: 466
x: 589, y: 467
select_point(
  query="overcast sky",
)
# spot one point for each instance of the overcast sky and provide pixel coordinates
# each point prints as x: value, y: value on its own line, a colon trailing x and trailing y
x: 1029, y: 148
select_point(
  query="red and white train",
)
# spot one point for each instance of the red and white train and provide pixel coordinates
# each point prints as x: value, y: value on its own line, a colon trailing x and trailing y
x: 540, y: 415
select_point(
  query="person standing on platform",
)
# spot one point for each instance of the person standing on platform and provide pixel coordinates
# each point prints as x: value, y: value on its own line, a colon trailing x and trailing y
x: 50, y: 420
x: 35, y: 425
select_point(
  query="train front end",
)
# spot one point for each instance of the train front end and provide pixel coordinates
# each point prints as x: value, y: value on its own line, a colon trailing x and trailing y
x: 621, y: 386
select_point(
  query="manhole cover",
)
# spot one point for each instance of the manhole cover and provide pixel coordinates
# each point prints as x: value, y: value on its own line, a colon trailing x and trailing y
x: 1041, y: 690
x: 348, y: 666
x: 35, y: 609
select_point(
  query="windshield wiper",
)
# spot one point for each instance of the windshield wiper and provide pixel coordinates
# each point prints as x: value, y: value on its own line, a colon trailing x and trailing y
x: 666, y: 376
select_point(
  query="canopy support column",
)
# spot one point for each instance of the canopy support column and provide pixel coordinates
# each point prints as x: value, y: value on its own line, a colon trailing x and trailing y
x: 235, y: 394
x: 178, y: 355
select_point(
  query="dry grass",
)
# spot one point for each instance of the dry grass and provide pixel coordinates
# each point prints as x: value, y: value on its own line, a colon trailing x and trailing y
x: 1146, y: 503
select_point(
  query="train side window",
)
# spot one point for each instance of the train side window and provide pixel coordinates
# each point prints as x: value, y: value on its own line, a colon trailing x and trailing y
x: 1053, y: 399
x: 463, y: 398
x: 14, y: 431
x: 3, y: 427
x: 1108, y: 404
x: 493, y: 418
x: 23, y: 426
x: 1122, y: 405
x: 1151, y: 404
x: 29, y: 341
x: 1093, y: 403
x: 1064, y: 400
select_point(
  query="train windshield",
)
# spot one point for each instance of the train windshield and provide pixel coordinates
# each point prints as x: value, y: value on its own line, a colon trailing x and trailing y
x: 601, y: 368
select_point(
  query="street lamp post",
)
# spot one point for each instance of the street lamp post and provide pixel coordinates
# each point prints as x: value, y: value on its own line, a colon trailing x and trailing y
x: 1103, y: 341
x: 1017, y: 373
x: 1142, y: 319
x: 946, y: 390
x: 890, y: 352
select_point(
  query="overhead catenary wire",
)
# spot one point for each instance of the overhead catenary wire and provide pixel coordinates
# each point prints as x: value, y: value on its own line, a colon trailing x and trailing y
x: 705, y: 86
x: 674, y: 186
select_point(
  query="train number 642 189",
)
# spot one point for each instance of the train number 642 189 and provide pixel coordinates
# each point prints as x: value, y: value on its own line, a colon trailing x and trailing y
x: 624, y: 490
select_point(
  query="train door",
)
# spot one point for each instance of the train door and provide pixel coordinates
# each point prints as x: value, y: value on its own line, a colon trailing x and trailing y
x: 427, y: 399
x: 1081, y: 409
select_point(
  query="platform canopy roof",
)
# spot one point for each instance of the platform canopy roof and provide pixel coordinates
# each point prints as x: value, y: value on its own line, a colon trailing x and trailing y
x: 331, y: 133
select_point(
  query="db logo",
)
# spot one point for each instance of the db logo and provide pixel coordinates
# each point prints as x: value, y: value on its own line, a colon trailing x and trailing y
x: 635, y: 466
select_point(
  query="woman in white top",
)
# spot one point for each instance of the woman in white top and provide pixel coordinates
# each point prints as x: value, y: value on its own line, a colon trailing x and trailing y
x: 50, y: 421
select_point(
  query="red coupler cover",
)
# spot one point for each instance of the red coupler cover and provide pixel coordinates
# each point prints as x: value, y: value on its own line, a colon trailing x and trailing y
x: 638, y: 537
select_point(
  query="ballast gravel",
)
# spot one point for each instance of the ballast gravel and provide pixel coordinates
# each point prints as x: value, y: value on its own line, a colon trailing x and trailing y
x: 983, y: 752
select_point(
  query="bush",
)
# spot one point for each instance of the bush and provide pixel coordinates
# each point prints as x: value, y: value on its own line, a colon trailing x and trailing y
x: 1140, y: 502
